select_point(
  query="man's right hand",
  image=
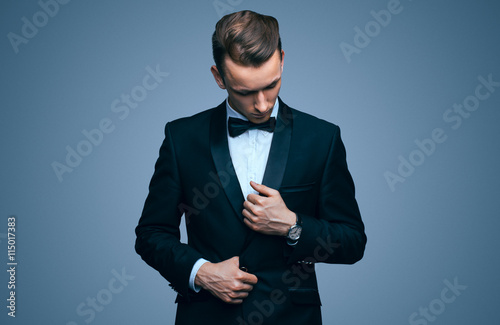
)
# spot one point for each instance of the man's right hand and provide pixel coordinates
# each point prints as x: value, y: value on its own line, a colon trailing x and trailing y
x: 225, y: 280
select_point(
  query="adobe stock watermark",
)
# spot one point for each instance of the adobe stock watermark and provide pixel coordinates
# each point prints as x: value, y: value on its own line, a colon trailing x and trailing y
x: 224, y: 7
x: 437, y: 306
x: 203, y: 196
x: 121, y: 107
x: 455, y: 117
x: 31, y: 26
x: 299, y: 272
x: 89, y: 308
x: 363, y: 36
x: 11, y: 265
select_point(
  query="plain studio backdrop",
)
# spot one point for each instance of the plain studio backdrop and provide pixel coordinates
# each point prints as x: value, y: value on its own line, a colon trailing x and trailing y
x: 87, y: 87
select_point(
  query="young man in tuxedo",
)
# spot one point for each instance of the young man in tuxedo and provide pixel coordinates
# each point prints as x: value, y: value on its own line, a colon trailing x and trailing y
x: 264, y: 188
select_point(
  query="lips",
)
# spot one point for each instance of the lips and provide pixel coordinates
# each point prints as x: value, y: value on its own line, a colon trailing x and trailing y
x: 260, y: 116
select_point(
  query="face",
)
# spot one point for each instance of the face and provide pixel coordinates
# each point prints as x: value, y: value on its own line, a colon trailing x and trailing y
x: 252, y: 91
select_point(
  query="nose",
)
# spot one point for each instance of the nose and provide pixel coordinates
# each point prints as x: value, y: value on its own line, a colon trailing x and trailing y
x: 260, y: 102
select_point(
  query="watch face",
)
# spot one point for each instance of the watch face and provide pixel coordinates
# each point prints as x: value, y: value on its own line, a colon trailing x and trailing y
x: 294, y: 233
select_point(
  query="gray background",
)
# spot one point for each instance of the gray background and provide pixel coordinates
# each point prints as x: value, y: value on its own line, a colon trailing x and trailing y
x: 440, y: 224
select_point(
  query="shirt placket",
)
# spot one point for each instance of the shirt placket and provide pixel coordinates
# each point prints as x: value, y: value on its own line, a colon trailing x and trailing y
x: 252, y: 172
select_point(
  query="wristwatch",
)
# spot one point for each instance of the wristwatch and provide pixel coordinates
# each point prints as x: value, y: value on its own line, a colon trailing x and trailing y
x: 294, y: 232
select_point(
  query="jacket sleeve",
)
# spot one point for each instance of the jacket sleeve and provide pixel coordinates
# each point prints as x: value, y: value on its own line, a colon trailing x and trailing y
x: 158, y: 234
x: 336, y: 234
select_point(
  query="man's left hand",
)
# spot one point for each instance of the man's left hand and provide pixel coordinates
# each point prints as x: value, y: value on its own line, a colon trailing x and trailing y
x: 267, y: 213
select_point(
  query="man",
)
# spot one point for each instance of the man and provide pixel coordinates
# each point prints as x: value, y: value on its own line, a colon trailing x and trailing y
x: 264, y: 188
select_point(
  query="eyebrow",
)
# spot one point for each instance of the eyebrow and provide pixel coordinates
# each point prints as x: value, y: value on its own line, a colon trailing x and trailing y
x: 247, y: 91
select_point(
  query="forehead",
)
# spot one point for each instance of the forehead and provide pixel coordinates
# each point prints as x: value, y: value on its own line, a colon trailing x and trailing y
x: 240, y: 77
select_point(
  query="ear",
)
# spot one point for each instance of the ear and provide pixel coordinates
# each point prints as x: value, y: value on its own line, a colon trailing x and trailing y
x: 218, y: 78
x: 282, y: 59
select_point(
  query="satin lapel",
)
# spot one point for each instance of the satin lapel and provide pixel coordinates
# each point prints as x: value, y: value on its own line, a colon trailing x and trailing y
x: 276, y: 163
x: 222, y: 159
x: 278, y: 154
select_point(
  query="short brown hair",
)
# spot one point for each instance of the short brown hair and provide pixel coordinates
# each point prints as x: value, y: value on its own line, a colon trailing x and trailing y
x: 247, y: 37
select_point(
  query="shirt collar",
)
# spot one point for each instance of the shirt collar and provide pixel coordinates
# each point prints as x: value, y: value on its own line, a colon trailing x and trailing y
x: 230, y: 112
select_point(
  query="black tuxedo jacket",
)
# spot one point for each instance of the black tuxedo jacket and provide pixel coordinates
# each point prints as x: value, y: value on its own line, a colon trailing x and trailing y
x: 194, y: 176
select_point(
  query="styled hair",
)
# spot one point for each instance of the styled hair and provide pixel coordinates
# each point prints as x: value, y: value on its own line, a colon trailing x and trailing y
x: 248, y: 38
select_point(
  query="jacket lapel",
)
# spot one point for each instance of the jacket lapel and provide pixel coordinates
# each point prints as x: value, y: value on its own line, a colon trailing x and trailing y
x: 275, y: 169
x: 280, y: 146
x: 222, y: 159
x: 278, y: 154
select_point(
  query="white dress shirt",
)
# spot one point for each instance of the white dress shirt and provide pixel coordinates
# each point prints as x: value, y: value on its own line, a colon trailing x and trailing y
x: 249, y: 152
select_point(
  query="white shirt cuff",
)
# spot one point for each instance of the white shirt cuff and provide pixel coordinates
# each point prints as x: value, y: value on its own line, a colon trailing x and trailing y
x: 194, y: 271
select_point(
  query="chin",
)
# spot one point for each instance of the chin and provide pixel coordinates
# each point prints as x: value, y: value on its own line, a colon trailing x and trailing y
x: 258, y: 120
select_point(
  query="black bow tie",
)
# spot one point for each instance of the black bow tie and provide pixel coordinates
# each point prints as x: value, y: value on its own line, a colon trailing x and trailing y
x: 238, y: 126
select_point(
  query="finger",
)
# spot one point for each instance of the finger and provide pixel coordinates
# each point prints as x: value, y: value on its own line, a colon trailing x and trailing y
x: 247, y: 214
x: 257, y: 200
x: 252, y: 198
x: 245, y: 288
x: 250, y: 225
x: 248, y: 205
x: 249, y: 278
x: 248, y: 220
x: 239, y: 295
x: 252, y: 211
x: 262, y: 189
x: 235, y: 260
x: 235, y: 301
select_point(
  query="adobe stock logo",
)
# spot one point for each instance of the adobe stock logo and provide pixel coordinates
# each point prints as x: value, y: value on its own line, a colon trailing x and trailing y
x: 97, y: 304
x: 437, y: 306
x: 364, y: 35
x: 362, y: 38
x: 293, y: 277
x: 31, y: 27
x: 224, y: 7
x: 121, y: 106
x: 455, y: 116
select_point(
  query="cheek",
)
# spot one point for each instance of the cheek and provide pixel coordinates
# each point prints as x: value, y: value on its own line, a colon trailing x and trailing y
x: 244, y: 104
x: 271, y: 94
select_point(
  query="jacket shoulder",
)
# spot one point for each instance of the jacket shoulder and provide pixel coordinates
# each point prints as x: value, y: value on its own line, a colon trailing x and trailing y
x: 197, y: 122
x: 193, y: 121
x: 306, y: 121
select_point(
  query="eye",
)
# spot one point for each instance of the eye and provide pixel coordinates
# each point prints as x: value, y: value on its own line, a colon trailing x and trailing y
x: 245, y: 93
